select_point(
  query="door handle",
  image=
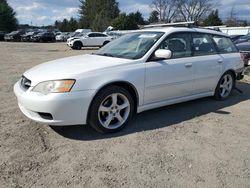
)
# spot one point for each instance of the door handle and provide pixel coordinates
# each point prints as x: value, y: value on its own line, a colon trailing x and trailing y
x: 220, y: 61
x: 188, y: 65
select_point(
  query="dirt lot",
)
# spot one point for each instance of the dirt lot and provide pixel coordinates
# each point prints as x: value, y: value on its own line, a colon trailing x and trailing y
x: 202, y: 143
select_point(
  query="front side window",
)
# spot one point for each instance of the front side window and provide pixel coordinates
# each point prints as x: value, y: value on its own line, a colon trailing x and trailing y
x: 224, y: 44
x: 203, y: 45
x: 131, y: 46
x: 179, y: 44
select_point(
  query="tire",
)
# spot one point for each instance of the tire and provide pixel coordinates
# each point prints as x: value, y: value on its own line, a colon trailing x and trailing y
x: 77, y: 46
x: 111, y: 109
x: 225, y: 86
x: 106, y: 42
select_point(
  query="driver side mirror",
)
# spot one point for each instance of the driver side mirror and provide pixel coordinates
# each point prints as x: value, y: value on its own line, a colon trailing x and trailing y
x: 163, y: 54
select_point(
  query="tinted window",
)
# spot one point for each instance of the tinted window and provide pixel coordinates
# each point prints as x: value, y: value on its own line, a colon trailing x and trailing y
x: 179, y: 44
x: 224, y: 44
x: 203, y: 45
x: 100, y: 35
x: 92, y: 35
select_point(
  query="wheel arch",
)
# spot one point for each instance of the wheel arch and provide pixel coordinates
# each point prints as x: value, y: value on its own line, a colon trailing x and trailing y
x: 106, y: 42
x: 228, y: 70
x: 79, y: 41
x: 124, y: 84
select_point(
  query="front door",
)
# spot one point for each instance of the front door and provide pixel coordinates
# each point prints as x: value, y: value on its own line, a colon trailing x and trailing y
x: 172, y: 78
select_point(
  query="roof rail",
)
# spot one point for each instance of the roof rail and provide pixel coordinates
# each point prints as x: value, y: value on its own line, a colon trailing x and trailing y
x: 178, y: 24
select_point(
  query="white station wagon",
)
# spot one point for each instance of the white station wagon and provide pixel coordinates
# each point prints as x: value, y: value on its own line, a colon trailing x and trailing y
x: 139, y: 71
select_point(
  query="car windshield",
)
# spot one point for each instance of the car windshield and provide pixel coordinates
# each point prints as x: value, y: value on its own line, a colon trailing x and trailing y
x: 131, y: 46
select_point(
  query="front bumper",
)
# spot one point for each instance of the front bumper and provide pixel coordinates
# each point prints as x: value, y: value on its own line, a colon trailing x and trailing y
x: 239, y: 73
x: 70, y: 43
x: 65, y: 108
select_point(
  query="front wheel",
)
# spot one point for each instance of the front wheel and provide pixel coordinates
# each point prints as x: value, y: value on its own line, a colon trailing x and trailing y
x: 225, y: 86
x: 111, y: 109
x: 77, y: 46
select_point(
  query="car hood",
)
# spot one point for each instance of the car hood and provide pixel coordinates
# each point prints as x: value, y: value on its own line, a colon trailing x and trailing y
x: 71, y: 67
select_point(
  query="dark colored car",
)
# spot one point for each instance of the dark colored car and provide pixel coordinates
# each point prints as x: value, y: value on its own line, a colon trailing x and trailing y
x: 245, y: 51
x: 27, y: 36
x: 2, y: 35
x: 244, y: 38
x: 44, y: 37
x: 236, y: 37
x: 14, y: 36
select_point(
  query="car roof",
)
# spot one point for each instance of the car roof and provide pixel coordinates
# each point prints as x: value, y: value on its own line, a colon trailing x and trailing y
x: 184, y: 29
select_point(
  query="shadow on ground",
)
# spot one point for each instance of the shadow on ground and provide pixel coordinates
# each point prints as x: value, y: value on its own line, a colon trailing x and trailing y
x: 161, y: 117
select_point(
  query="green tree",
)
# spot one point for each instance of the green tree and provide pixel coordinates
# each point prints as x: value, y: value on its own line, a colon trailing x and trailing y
x: 128, y: 22
x: 120, y: 22
x: 213, y: 19
x: 8, y: 21
x: 244, y: 24
x: 73, y: 24
x: 154, y: 17
x: 139, y: 18
x: 97, y: 14
x: 67, y: 25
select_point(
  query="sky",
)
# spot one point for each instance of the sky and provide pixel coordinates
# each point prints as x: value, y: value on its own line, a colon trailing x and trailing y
x: 45, y: 12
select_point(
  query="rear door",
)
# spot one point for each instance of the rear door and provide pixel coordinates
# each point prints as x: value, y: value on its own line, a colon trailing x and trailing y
x: 99, y: 39
x: 207, y: 63
x: 228, y: 51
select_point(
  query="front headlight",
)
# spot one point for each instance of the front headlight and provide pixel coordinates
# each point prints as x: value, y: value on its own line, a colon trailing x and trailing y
x: 55, y: 86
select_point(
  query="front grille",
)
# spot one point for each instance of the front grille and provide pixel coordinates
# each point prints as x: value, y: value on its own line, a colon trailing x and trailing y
x: 25, y: 83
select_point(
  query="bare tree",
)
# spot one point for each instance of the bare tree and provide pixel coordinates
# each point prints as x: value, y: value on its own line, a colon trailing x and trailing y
x: 232, y: 19
x: 165, y: 8
x: 193, y: 10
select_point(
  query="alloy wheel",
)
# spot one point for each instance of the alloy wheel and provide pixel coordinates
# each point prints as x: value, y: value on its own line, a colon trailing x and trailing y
x: 226, y: 85
x: 114, y: 111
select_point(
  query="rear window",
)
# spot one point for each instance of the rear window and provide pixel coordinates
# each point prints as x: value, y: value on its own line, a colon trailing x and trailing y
x: 224, y: 44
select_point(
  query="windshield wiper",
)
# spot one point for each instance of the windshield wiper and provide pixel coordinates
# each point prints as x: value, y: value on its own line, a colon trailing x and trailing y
x: 108, y: 55
x: 105, y: 54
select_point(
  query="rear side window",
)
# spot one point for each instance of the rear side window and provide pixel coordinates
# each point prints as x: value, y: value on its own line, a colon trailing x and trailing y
x: 179, y: 44
x: 224, y: 44
x: 203, y: 45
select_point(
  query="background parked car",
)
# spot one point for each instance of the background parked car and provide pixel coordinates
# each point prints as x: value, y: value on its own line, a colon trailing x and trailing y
x: 244, y: 38
x: 14, y: 36
x: 27, y: 36
x: 93, y: 39
x: 235, y: 37
x: 2, y: 33
x: 244, y: 48
x: 44, y: 37
x: 62, y: 37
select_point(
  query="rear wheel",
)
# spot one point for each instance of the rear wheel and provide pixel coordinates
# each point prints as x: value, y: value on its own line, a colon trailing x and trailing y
x: 225, y: 86
x: 111, y: 109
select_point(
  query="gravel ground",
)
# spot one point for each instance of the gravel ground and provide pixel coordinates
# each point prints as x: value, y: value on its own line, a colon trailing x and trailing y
x: 202, y: 143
